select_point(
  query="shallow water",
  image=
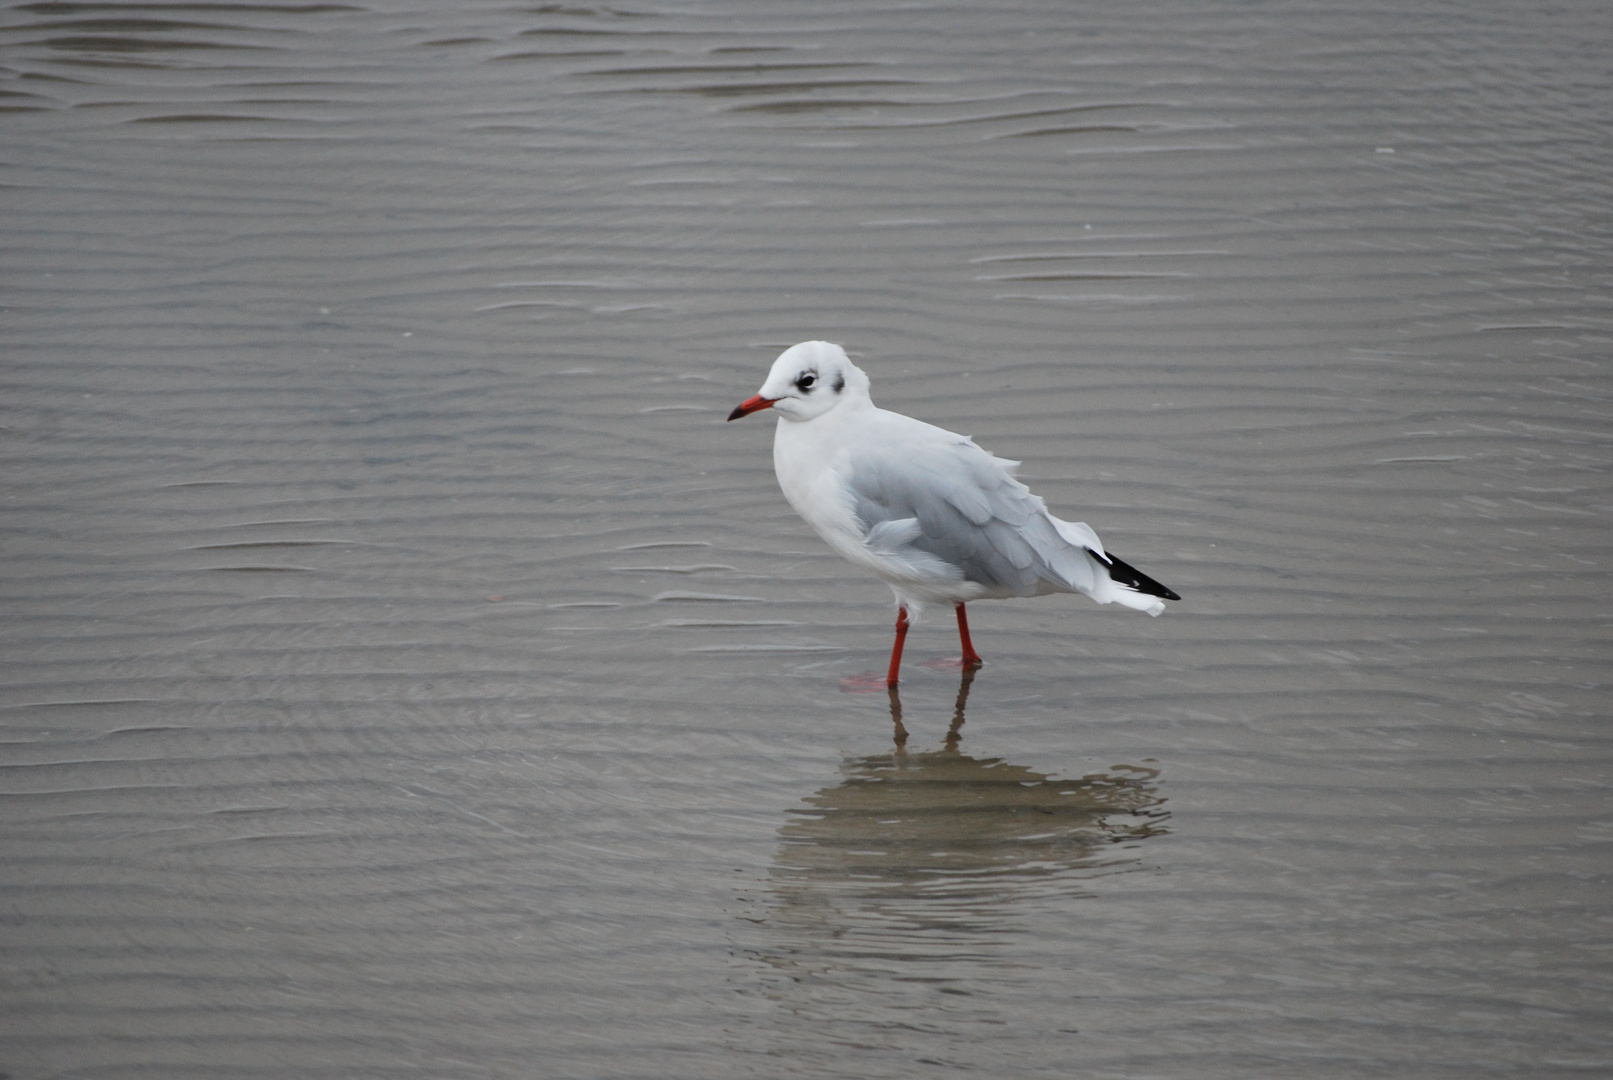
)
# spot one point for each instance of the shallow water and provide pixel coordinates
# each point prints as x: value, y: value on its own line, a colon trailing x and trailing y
x: 408, y: 672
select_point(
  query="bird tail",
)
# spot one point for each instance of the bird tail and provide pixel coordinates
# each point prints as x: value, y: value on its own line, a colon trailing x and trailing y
x: 1130, y: 586
x: 1102, y: 576
x: 1128, y: 575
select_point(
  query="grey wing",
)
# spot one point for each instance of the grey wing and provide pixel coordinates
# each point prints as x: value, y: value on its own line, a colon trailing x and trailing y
x: 955, y: 505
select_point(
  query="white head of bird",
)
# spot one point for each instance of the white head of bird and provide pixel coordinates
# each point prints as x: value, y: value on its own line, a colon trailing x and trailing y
x: 808, y: 380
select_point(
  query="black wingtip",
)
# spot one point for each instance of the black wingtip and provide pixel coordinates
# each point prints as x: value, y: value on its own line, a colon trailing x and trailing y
x: 1127, y: 574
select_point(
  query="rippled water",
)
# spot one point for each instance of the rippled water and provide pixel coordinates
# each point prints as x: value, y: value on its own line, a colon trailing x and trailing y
x: 407, y: 672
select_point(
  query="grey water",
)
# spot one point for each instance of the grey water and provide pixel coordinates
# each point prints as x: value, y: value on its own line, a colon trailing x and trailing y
x: 406, y: 672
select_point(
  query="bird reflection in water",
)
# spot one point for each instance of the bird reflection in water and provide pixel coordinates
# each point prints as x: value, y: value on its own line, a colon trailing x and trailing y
x: 925, y: 872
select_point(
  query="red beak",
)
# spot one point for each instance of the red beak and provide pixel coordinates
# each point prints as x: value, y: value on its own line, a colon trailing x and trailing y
x: 755, y: 404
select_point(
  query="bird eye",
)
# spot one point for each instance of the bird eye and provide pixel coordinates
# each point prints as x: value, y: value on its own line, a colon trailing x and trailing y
x: 804, y: 383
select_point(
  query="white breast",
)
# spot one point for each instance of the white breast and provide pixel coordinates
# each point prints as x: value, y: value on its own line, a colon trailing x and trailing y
x: 811, y: 471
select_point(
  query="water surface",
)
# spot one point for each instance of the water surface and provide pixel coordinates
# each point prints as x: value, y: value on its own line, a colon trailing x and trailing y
x: 407, y: 672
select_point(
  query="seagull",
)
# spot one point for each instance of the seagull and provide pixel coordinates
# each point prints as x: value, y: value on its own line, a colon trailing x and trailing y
x: 927, y: 511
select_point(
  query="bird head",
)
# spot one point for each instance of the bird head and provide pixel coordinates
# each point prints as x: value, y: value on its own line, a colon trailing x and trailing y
x: 807, y: 381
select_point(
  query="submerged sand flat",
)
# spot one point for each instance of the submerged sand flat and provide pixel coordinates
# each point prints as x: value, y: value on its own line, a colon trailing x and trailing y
x: 405, y: 672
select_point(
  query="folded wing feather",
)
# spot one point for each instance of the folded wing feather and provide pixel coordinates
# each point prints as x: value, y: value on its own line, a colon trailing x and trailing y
x: 960, y: 507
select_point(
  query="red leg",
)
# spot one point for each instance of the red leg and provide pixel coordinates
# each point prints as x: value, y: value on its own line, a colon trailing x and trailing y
x: 970, y: 657
x: 896, y: 649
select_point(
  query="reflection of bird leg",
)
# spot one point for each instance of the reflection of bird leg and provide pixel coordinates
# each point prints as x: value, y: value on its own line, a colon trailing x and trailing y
x: 953, y: 735
x: 899, y: 733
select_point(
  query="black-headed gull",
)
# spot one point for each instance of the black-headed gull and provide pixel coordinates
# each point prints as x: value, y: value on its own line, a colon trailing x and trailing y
x: 935, y: 517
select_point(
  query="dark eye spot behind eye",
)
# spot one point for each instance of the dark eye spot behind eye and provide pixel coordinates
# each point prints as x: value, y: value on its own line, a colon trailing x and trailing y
x: 840, y: 381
